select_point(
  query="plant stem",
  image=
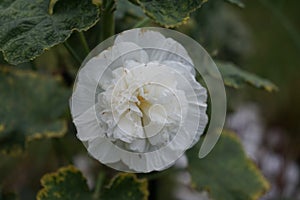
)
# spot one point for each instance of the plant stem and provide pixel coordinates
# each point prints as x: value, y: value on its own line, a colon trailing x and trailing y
x: 72, y: 52
x: 107, y: 19
x: 99, y: 183
x: 84, y: 42
x: 142, y: 23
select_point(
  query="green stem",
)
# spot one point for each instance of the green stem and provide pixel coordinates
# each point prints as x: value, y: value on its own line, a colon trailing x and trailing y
x: 84, y: 42
x: 142, y: 23
x: 99, y: 184
x: 72, y: 52
x: 107, y: 19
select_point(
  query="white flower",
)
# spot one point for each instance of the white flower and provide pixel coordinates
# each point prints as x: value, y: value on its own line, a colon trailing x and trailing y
x: 137, y: 106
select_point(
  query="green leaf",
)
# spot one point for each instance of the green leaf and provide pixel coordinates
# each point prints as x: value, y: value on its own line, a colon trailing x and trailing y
x: 67, y: 183
x: 31, y: 107
x: 226, y: 172
x: 168, y: 12
x: 239, y: 3
x: 29, y: 27
x: 236, y: 77
x: 126, y: 186
x: 125, y: 7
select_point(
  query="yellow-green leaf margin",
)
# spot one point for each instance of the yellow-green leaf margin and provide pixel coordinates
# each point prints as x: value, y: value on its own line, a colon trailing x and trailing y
x: 235, y: 77
x: 226, y: 172
x: 126, y: 186
x: 67, y: 183
x: 33, y: 106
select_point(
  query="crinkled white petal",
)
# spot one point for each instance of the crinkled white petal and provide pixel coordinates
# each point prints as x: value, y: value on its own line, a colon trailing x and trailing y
x: 97, y: 71
x: 144, y: 39
x: 87, y: 125
x: 160, y: 47
x: 103, y: 150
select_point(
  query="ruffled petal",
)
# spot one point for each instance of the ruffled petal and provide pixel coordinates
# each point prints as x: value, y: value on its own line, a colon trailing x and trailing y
x: 98, y: 71
x: 87, y: 125
x: 103, y: 150
x: 143, y: 38
x: 158, y: 47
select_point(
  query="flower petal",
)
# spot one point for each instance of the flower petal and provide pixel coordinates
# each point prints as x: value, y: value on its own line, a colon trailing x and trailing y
x: 103, y: 150
x: 87, y: 125
x: 97, y: 70
x: 158, y: 46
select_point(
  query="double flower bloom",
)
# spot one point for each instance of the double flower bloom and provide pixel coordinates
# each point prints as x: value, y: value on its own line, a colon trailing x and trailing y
x: 137, y: 105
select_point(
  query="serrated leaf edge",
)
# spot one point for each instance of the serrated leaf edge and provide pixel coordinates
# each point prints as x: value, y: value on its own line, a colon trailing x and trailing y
x: 38, y: 135
x: 271, y: 88
x: 184, y: 21
x: 49, y: 177
x: 143, y: 183
x: 251, y: 166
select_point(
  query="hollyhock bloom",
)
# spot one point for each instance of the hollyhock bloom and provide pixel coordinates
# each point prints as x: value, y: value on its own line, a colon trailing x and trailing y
x: 137, y: 105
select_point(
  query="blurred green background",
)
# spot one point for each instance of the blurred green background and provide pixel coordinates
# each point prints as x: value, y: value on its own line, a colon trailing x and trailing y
x: 275, y: 30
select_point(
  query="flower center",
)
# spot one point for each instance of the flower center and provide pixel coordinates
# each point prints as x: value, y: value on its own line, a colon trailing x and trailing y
x: 144, y: 106
x: 141, y: 99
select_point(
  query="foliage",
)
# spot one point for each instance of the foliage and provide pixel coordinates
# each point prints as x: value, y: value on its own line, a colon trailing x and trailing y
x: 126, y: 186
x: 168, y: 13
x: 68, y: 183
x: 30, y: 27
x: 32, y: 104
x: 236, y: 77
x: 226, y: 173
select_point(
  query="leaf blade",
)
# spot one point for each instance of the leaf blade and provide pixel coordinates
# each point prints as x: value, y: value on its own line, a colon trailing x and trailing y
x: 236, y: 77
x: 67, y: 183
x: 168, y: 13
x: 33, y: 105
x: 126, y: 186
x: 226, y: 173
x: 27, y: 28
